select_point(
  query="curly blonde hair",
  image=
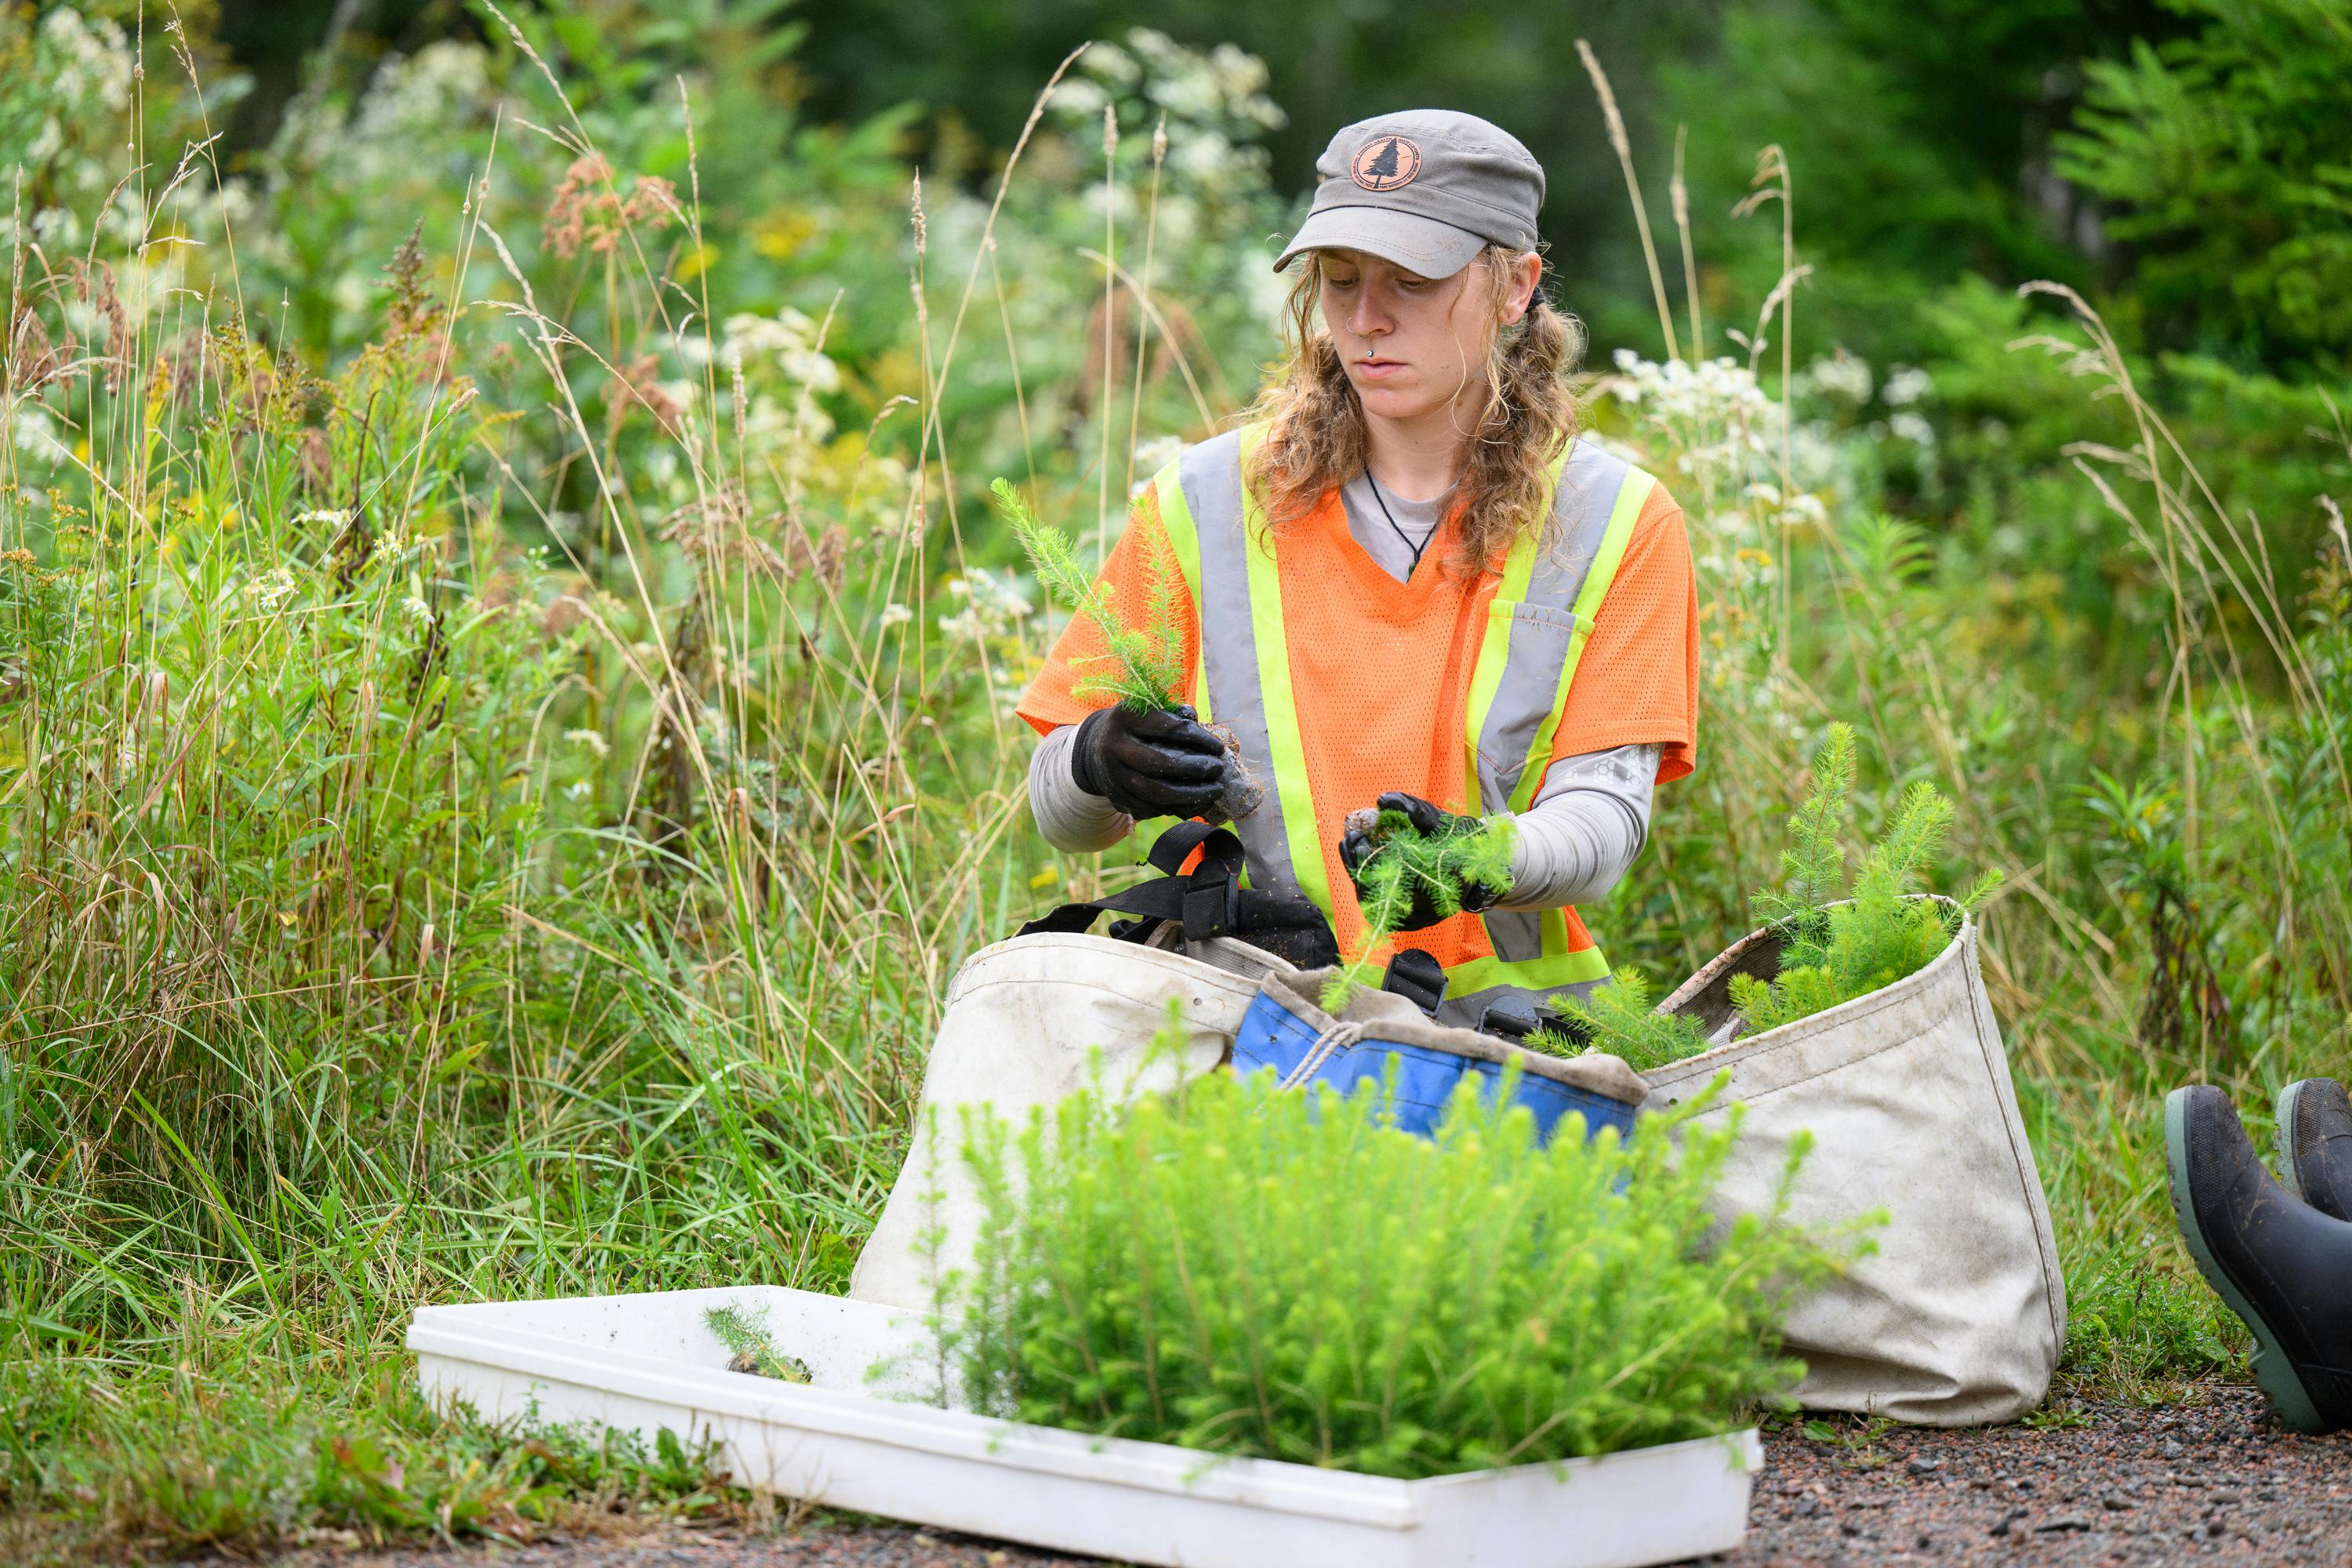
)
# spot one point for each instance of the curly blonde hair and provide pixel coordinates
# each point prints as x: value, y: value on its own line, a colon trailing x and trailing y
x: 1315, y: 441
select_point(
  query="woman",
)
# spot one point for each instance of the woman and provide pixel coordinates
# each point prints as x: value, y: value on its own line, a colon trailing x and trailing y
x: 1405, y: 582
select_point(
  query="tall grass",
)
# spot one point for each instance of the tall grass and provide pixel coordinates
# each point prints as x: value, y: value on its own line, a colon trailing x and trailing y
x: 491, y: 812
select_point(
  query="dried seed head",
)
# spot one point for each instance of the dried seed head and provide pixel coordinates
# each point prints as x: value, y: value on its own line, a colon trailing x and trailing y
x: 1615, y: 121
x: 1111, y: 131
x: 922, y: 229
x: 1159, y: 141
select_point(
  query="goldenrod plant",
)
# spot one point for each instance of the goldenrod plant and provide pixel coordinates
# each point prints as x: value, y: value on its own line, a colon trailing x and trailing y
x: 1834, y: 951
x: 1255, y: 1272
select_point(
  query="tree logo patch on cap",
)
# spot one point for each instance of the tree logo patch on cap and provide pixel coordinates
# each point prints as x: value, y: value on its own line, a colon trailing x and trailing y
x: 1386, y: 163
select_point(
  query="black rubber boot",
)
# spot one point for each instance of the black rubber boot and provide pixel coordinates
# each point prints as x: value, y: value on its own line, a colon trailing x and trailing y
x: 2278, y: 1263
x: 2314, y: 1145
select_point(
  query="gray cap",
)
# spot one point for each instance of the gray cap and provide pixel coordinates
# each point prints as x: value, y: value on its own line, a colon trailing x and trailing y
x: 1426, y: 188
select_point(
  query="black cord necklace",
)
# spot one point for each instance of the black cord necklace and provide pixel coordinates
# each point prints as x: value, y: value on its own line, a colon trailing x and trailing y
x: 1400, y: 533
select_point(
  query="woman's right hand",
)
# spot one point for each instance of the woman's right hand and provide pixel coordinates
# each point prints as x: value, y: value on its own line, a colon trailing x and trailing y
x: 1150, y: 764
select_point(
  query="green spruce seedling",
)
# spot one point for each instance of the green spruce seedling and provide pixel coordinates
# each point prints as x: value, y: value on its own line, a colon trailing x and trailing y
x: 1250, y: 1271
x: 1835, y: 952
x: 1619, y: 1020
x: 1405, y: 861
x: 1147, y: 662
x: 745, y: 1335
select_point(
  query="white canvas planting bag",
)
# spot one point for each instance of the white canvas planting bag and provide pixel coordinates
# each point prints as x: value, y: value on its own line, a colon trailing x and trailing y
x: 1957, y: 1319
x: 1024, y: 1020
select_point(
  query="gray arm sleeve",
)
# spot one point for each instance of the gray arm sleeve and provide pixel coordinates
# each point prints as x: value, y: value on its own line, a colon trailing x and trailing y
x: 1067, y: 816
x: 1587, y: 824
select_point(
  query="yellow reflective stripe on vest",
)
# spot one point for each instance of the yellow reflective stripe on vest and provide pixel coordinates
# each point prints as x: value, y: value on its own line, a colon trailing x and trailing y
x: 1566, y: 967
x: 1283, y: 737
x: 1597, y: 583
x: 1184, y: 539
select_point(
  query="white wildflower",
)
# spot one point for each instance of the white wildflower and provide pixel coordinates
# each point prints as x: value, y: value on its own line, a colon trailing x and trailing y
x: 1906, y: 384
x: 1841, y: 376
x: 790, y: 339
x: 416, y: 609
x: 270, y: 589
x: 1079, y: 97
x: 1112, y: 63
x: 591, y: 741
x: 1156, y: 454
x: 1912, y: 427
x: 895, y: 614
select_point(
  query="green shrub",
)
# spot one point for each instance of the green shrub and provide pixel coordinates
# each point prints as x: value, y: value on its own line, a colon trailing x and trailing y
x: 1257, y: 1273
x: 1835, y: 952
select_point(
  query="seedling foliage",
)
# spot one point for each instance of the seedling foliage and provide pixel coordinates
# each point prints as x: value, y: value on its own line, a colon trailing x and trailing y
x: 1250, y: 1271
x: 1147, y: 662
x: 1833, y: 952
x: 1405, y: 861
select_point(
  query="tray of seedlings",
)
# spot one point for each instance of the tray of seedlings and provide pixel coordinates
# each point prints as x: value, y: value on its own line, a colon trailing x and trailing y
x: 1239, y: 1324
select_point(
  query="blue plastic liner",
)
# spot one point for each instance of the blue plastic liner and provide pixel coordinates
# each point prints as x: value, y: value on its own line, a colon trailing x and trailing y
x: 1271, y: 1036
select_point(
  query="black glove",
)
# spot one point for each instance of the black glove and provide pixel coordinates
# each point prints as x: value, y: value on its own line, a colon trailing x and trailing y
x: 1356, y: 847
x: 1155, y: 763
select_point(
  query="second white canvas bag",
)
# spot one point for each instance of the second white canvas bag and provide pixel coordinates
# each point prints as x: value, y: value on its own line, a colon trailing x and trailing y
x: 1959, y: 1318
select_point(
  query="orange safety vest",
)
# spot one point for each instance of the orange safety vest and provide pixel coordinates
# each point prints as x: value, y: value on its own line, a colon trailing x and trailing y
x: 1537, y: 623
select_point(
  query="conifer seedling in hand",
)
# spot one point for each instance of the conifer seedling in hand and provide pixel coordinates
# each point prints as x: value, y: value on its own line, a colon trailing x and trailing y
x: 1145, y: 664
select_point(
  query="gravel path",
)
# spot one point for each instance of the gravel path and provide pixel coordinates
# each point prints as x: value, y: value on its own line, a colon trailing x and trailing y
x: 2213, y: 1481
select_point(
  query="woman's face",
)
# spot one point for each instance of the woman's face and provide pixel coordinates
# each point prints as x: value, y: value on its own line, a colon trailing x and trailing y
x: 1413, y: 345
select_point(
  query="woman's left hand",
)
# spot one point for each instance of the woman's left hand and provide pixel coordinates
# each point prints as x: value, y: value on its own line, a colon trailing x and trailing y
x: 1357, y: 848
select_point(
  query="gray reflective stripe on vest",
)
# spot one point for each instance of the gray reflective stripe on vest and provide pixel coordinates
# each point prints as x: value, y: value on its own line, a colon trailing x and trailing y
x: 1581, y: 507
x: 1211, y: 474
x: 1587, y: 495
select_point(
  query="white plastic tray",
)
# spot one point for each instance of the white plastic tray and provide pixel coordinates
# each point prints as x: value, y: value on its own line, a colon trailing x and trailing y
x: 645, y: 1362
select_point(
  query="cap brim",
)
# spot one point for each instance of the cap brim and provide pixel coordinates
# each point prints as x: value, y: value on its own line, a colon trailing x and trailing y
x: 1422, y: 246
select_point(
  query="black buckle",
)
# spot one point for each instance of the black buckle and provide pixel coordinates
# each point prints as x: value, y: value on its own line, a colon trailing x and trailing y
x: 1416, y: 975
x: 1509, y: 1019
x: 1212, y: 907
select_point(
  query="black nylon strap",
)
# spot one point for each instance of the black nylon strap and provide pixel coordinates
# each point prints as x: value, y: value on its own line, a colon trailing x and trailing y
x: 1205, y: 909
x: 1218, y: 845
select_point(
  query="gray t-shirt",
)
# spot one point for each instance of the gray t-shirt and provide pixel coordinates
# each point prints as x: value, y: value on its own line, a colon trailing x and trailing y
x: 1391, y: 544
